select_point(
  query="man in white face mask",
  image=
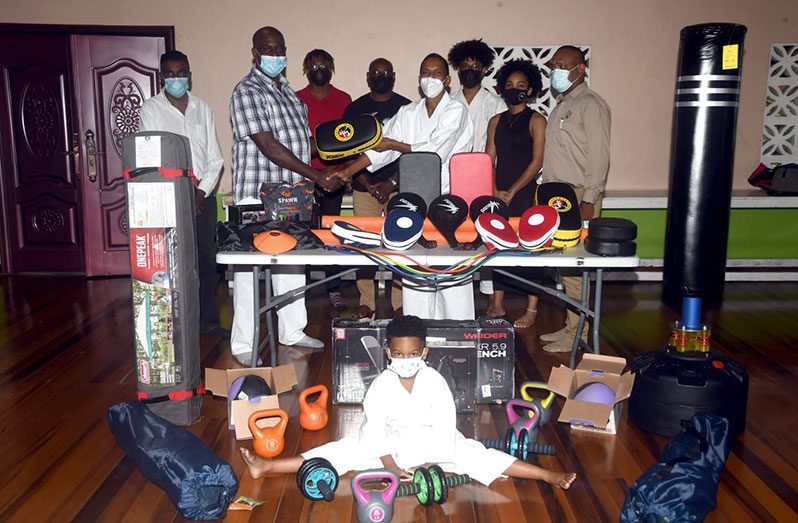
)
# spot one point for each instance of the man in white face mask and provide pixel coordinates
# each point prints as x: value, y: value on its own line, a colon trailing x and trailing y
x: 436, y: 123
x: 577, y: 152
x: 440, y: 124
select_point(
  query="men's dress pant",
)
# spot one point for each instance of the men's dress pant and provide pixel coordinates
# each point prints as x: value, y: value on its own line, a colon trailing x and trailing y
x: 292, y: 317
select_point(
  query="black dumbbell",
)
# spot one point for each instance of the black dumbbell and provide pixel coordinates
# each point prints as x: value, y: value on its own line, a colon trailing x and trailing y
x: 317, y: 479
x: 431, y: 485
x: 519, y: 446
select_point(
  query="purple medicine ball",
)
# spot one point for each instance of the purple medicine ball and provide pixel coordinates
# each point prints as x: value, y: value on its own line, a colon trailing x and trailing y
x: 595, y: 393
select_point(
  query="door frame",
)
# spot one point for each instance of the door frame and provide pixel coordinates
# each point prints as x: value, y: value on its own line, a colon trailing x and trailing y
x: 167, y: 32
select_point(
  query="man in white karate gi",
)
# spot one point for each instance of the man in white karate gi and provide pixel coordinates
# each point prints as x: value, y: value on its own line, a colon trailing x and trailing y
x: 437, y: 123
x: 410, y: 421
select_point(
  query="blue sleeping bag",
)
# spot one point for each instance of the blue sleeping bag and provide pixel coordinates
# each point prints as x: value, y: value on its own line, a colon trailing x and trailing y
x: 196, y: 479
x: 683, y: 486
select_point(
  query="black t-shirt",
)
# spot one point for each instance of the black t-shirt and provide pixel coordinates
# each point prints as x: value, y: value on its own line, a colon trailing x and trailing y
x: 383, y: 111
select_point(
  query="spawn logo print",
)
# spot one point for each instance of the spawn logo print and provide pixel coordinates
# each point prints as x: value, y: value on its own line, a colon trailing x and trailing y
x: 404, y: 204
x: 449, y: 205
x: 490, y: 207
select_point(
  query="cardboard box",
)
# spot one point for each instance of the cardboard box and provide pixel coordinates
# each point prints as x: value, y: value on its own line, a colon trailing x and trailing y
x: 488, y: 368
x: 582, y: 415
x: 280, y: 379
x: 358, y: 358
x: 453, y: 353
x: 495, y: 360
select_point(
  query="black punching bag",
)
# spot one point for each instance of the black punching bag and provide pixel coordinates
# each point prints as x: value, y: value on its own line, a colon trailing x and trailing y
x: 702, y: 158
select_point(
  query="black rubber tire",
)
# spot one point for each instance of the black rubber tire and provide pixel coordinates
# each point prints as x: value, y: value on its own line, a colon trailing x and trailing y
x: 612, y: 229
x: 605, y: 248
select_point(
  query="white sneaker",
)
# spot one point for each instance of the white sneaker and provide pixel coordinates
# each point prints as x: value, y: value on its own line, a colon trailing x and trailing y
x: 486, y: 286
x: 245, y: 359
x: 307, y: 341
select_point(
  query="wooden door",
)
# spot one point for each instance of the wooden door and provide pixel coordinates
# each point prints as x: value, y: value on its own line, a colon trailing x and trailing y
x: 113, y: 76
x: 38, y: 175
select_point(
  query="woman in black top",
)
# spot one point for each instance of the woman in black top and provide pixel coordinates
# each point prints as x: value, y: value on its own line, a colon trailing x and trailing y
x: 515, y: 142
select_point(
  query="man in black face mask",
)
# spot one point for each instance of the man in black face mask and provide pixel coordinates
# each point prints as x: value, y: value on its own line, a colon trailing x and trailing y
x: 472, y: 59
x: 383, y: 103
x: 325, y: 103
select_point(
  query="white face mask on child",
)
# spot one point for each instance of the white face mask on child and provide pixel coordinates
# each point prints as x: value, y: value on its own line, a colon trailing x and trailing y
x: 406, y: 367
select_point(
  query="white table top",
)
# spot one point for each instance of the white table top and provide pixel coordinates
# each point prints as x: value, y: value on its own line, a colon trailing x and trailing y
x: 439, y: 257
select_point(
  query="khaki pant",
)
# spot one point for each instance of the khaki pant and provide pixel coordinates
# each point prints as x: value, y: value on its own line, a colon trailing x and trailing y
x: 367, y: 205
x: 573, y: 284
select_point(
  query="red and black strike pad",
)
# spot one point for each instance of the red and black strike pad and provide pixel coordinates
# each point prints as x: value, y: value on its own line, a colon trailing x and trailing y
x: 482, y: 205
x: 348, y: 137
x: 448, y: 212
x: 471, y: 175
x: 164, y: 273
x: 537, y: 227
x: 401, y: 229
x: 562, y: 197
x: 496, y: 231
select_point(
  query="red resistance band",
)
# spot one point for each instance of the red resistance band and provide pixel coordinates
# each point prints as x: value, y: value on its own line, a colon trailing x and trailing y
x: 132, y: 174
x: 172, y: 396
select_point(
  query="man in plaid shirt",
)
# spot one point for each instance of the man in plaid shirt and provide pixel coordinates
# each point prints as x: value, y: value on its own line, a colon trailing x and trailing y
x: 271, y: 143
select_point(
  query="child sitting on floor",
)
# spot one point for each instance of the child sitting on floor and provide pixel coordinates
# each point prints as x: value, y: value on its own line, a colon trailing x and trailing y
x: 410, y: 421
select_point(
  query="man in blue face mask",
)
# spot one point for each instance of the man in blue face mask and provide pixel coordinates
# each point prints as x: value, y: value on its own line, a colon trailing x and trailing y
x: 577, y: 152
x: 177, y: 110
x: 271, y: 143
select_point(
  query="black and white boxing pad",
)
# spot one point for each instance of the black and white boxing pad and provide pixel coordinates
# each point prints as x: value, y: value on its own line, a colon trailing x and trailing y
x: 483, y: 204
x: 496, y: 232
x: 447, y: 213
x: 353, y: 235
x: 401, y: 229
x: 409, y: 201
x: 537, y: 227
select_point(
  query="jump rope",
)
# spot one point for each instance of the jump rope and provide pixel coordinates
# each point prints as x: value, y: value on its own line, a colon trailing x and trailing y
x: 414, y: 270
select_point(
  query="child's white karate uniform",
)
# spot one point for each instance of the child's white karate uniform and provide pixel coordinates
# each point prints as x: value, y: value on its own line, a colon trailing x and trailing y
x: 415, y: 428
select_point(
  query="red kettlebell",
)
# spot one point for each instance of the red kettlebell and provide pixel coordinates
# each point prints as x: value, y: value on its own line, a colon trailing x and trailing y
x: 268, y: 442
x: 313, y: 415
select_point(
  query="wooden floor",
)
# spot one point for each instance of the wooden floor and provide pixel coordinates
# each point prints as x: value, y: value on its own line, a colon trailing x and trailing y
x: 66, y: 355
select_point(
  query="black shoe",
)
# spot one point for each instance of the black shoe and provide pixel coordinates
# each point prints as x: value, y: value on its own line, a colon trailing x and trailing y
x: 216, y: 330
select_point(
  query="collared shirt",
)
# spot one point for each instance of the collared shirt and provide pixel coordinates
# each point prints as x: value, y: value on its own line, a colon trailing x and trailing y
x: 482, y: 108
x: 447, y: 132
x: 578, y: 142
x: 198, y: 125
x: 258, y: 106
x: 331, y: 107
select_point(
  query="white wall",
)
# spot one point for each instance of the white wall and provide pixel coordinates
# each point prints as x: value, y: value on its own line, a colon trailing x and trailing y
x: 634, y: 45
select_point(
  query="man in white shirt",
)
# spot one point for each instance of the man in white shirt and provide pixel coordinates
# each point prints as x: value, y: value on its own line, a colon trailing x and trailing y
x: 176, y: 110
x: 472, y: 59
x: 438, y: 124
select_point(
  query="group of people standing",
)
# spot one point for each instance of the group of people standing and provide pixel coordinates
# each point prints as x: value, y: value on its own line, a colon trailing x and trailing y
x: 273, y: 142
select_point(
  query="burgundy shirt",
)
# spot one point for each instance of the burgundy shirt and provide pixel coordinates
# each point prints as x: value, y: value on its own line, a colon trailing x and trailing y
x: 331, y: 107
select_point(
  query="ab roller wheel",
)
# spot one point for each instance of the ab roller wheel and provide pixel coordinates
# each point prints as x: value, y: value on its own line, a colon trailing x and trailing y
x: 317, y: 479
